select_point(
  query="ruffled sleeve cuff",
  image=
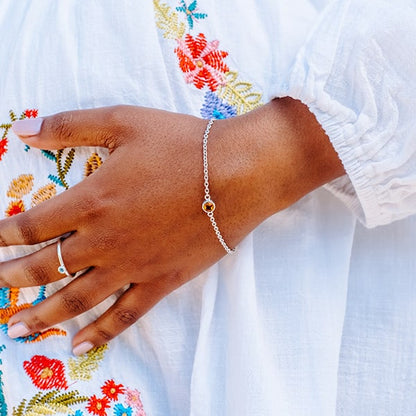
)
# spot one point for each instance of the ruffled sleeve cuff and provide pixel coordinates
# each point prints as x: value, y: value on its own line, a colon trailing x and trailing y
x: 357, y: 75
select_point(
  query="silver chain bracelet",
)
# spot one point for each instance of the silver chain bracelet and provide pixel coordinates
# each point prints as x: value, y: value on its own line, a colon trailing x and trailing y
x: 208, y: 206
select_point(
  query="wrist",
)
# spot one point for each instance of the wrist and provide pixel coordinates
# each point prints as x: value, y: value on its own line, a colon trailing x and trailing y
x: 304, y: 156
x: 264, y: 161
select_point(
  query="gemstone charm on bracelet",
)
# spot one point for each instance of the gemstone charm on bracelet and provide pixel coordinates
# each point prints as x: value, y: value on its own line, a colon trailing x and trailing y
x: 208, y: 206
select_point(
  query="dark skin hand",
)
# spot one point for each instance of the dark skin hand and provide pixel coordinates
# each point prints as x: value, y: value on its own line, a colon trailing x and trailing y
x: 138, y: 221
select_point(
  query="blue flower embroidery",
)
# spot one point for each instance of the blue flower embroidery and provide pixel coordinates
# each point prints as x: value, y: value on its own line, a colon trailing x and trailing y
x: 120, y: 410
x: 190, y: 12
x: 215, y: 107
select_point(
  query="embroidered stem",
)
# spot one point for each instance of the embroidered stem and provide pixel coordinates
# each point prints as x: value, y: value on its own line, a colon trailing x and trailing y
x: 63, y: 170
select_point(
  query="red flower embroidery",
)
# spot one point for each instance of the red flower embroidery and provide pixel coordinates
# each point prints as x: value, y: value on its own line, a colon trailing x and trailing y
x: 15, y: 207
x: 111, y: 390
x: 98, y: 406
x: 46, y: 373
x: 31, y: 113
x: 3, y: 147
x: 201, y: 61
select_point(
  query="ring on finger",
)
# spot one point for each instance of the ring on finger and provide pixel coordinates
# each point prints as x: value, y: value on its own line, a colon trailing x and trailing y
x: 62, y: 268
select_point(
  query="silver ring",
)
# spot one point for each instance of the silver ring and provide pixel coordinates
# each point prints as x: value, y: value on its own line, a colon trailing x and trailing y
x: 62, y: 268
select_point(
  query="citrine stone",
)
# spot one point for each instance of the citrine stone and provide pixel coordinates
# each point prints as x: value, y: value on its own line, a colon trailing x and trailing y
x: 208, y: 206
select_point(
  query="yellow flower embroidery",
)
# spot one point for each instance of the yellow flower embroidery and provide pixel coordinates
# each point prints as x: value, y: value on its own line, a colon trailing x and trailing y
x: 92, y: 164
x: 43, y: 194
x: 20, y: 186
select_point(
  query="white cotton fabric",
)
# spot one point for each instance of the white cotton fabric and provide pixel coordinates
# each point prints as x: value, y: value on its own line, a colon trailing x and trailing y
x: 356, y: 73
x: 314, y: 314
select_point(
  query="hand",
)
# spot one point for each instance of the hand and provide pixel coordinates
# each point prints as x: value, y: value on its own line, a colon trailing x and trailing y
x: 137, y: 220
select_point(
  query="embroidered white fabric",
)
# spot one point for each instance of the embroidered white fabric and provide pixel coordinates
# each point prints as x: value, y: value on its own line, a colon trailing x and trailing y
x: 315, y: 314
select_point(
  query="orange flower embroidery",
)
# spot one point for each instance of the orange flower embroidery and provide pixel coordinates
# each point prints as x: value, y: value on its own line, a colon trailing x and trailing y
x: 201, y: 61
x: 111, y: 390
x: 97, y: 406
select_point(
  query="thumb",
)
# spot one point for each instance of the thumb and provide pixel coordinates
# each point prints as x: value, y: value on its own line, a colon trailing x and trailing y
x: 92, y: 127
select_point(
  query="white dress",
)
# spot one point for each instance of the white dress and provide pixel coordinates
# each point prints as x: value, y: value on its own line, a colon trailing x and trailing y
x: 315, y: 314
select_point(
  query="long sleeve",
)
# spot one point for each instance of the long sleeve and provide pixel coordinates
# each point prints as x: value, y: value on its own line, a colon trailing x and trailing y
x: 357, y: 74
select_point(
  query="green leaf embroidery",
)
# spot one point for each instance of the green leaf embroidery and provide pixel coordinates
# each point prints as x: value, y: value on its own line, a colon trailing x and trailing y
x: 82, y: 367
x: 168, y: 21
x: 239, y: 94
x: 49, y: 403
x: 20, y: 409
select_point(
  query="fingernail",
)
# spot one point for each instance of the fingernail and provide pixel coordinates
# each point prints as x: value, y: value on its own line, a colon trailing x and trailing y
x: 18, y: 330
x: 27, y: 127
x: 82, y: 348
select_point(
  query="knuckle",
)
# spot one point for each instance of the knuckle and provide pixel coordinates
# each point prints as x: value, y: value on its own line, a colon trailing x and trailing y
x: 36, y: 323
x: 118, y: 119
x: 104, y: 334
x: 125, y: 316
x: 35, y: 275
x: 75, y: 303
x: 110, y: 141
x: 177, y: 277
x: 117, y: 116
x: 88, y: 207
x: 103, y: 243
x: 60, y: 124
x: 26, y: 231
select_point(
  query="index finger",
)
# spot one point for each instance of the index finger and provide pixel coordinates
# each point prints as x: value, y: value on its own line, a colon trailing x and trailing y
x: 53, y: 218
x: 92, y: 127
